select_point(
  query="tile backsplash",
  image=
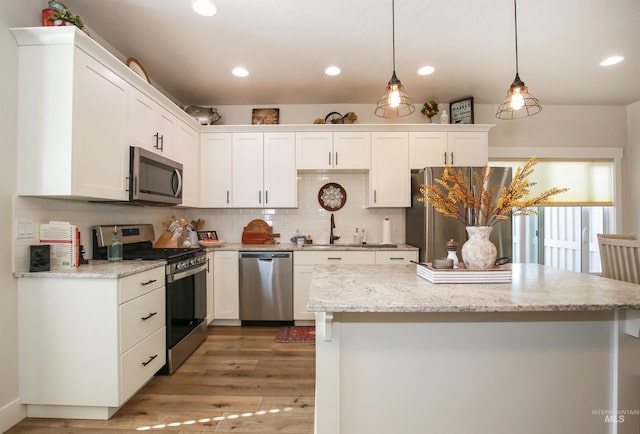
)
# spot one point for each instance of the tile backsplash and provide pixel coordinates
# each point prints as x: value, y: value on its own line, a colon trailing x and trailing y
x: 309, y: 218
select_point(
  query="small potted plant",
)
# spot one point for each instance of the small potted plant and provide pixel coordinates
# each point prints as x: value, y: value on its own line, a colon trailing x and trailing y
x: 430, y: 109
x: 61, y: 17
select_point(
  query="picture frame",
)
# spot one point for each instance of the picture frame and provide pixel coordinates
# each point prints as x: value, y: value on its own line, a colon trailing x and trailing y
x: 207, y: 236
x: 265, y: 116
x: 461, y: 111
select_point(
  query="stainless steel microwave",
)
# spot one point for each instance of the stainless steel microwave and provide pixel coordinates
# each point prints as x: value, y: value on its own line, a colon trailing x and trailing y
x: 154, y: 179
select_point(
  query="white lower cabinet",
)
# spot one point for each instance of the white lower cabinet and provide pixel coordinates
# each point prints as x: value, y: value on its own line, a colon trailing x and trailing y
x: 87, y: 345
x: 209, y: 281
x: 304, y: 262
x: 401, y: 257
x: 226, y: 285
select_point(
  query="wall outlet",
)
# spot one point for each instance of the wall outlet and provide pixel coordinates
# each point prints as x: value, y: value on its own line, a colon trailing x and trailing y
x: 24, y: 228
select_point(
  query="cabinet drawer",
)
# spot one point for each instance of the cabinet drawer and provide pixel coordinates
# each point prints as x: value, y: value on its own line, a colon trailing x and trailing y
x: 334, y: 257
x: 141, y: 362
x: 391, y: 257
x: 140, y: 317
x: 138, y: 284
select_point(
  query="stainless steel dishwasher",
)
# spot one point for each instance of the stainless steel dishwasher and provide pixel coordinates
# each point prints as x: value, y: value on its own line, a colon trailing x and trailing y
x: 266, y: 286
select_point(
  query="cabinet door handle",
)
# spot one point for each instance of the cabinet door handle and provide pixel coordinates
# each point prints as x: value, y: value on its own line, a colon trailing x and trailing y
x: 336, y: 158
x: 452, y: 158
x: 144, y: 318
x: 162, y: 143
x: 208, y: 265
x: 227, y: 196
x: 334, y: 259
x: 266, y: 197
x: 329, y: 159
x: 445, y: 158
x: 375, y: 196
x: 151, y: 359
x: 157, y: 137
x: 396, y: 259
x: 259, y: 196
x: 148, y: 282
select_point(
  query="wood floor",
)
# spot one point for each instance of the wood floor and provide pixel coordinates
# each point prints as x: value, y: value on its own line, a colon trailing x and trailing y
x: 238, y: 381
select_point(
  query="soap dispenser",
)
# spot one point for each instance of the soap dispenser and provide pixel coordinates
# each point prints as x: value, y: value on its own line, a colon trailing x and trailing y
x: 114, y: 250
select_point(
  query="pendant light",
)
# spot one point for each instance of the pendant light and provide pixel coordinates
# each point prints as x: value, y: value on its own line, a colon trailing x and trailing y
x: 519, y: 103
x: 394, y: 103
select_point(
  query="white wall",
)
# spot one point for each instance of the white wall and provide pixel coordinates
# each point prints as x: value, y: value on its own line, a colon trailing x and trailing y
x: 631, y: 162
x: 13, y: 14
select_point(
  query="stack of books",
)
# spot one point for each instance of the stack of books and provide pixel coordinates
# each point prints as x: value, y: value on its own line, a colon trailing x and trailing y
x: 499, y: 274
x: 64, y: 239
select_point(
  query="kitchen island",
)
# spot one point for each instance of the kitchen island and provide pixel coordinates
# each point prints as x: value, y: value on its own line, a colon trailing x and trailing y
x: 552, y: 351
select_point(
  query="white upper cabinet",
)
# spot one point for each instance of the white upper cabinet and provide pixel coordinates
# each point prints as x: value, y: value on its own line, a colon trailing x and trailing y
x: 187, y: 151
x: 352, y: 150
x: 247, y: 170
x: 280, y: 177
x: 215, y: 170
x: 453, y: 148
x: 468, y: 148
x: 151, y: 126
x: 333, y: 150
x: 389, y: 178
x: 71, y: 122
x: 264, y: 171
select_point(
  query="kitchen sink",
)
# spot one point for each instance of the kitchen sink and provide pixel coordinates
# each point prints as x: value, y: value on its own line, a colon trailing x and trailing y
x: 327, y: 246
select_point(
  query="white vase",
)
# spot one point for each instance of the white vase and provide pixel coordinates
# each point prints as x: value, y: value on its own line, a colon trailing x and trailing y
x: 478, y: 253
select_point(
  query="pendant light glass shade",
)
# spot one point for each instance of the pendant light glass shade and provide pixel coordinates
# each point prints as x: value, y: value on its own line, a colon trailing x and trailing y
x: 519, y: 103
x: 394, y: 103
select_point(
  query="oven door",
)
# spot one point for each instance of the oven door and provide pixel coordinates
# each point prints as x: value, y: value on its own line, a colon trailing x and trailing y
x: 186, y: 302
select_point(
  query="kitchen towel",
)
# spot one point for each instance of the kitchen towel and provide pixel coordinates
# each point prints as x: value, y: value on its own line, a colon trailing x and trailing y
x: 386, y: 231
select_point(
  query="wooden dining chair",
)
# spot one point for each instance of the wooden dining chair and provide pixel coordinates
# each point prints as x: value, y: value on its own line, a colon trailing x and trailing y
x: 620, y: 256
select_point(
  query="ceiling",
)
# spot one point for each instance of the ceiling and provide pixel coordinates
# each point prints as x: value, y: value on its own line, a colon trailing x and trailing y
x: 287, y: 44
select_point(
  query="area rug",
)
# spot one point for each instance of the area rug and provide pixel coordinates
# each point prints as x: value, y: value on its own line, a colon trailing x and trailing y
x: 296, y: 334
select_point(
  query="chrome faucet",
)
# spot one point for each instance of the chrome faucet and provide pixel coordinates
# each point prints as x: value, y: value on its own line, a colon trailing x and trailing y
x: 332, y: 237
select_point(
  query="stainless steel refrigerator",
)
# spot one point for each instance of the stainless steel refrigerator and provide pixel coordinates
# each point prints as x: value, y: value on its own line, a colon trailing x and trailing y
x: 429, y: 230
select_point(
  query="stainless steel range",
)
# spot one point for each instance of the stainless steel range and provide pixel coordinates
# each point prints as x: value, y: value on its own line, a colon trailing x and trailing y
x: 185, y: 272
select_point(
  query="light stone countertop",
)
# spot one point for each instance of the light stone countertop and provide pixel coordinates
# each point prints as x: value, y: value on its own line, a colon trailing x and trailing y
x: 309, y: 247
x: 97, y: 269
x: 397, y: 288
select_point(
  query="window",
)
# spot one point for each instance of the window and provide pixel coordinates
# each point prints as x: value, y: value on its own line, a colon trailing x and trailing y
x: 563, y: 235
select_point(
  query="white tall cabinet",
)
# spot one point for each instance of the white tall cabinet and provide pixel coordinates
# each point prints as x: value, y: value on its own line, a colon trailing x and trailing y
x: 389, y: 178
x: 215, y: 170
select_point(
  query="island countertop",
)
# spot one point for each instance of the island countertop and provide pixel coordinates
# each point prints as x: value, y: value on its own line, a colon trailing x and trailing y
x: 534, y: 288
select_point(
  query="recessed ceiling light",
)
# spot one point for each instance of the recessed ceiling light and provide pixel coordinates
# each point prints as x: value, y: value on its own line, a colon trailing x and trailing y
x: 611, y: 60
x: 204, y: 8
x: 332, y: 70
x: 240, y: 72
x: 426, y: 70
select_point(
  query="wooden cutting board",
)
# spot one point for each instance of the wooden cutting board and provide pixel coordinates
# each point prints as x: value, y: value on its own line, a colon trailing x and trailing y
x: 258, y: 232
